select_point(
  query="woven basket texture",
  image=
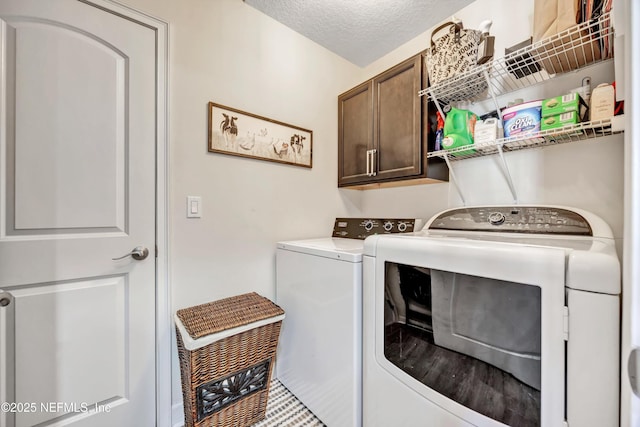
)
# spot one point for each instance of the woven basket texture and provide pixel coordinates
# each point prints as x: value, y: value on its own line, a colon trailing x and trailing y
x: 227, y: 356
x: 217, y: 316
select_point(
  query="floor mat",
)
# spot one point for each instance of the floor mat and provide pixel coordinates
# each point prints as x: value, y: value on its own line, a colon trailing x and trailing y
x: 285, y: 410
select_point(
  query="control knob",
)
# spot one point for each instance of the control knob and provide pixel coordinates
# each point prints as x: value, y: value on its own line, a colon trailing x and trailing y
x: 496, y: 218
x: 368, y: 225
x: 388, y: 226
x: 402, y: 226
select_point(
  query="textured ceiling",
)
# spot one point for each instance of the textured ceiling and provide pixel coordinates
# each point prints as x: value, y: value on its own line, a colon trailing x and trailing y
x: 360, y: 31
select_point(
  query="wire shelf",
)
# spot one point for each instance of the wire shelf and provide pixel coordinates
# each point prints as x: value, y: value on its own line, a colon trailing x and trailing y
x: 585, y: 44
x: 569, y: 133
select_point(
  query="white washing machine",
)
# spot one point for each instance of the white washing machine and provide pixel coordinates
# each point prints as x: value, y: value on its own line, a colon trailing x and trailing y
x: 493, y: 316
x: 319, y: 286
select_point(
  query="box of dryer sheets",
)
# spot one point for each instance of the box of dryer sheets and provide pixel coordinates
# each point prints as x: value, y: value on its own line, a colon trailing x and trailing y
x: 564, y: 104
x: 559, y: 120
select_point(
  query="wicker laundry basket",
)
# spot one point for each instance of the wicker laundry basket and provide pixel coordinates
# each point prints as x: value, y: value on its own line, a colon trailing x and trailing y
x: 226, y: 350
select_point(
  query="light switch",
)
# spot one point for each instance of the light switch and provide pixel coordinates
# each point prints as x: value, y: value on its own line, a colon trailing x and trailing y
x: 194, y: 207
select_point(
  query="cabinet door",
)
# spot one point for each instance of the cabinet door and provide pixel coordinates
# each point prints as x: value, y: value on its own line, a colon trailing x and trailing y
x: 355, y: 134
x: 397, y: 123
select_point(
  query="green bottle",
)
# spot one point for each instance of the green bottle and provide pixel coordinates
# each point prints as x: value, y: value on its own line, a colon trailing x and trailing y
x: 458, y: 130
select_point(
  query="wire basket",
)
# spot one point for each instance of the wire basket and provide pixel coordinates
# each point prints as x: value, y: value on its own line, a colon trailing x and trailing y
x: 577, y: 47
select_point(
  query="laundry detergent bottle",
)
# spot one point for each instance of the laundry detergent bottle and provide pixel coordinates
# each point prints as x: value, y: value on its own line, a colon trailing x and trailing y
x: 458, y: 130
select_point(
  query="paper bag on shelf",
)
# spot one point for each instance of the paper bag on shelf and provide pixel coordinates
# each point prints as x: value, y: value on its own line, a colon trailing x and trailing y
x: 551, y: 17
x: 569, y: 46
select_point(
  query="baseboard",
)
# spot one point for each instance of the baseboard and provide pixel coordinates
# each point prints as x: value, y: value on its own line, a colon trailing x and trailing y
x: 177, y: 415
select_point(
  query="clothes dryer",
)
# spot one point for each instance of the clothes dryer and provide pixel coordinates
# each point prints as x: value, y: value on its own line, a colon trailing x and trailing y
x: 493, y: 316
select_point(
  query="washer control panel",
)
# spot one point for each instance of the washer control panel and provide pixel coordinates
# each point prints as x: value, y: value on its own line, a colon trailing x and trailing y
x: 361, y: 228
x: 518, y: 219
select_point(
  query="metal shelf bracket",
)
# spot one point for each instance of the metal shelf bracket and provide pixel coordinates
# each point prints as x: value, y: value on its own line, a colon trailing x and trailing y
x: 435, y: 101
x: 491, y: 93
x: 454, y: 180
x: 507, y: 174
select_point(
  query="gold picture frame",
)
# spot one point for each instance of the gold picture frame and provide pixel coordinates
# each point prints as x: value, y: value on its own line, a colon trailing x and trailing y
x: 238, y: 133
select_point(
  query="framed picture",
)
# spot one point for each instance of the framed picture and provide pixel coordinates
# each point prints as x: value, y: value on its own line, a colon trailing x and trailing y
x: 244, y: 134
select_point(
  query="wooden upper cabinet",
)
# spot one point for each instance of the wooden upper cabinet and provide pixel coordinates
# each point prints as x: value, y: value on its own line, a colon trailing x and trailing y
x: 355, y: 125
x: 397, y: 120
x: 383, y: 130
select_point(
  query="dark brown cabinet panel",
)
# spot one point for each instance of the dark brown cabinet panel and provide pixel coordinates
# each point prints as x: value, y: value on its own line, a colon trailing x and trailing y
x: 355, y: 124
x: 383, y: 130
x: 397, y: 121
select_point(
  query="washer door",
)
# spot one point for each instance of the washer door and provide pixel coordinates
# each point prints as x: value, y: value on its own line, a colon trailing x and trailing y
x: 475, y: 327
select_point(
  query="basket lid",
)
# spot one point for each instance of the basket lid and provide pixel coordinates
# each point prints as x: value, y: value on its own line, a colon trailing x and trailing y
x: 216, y: 316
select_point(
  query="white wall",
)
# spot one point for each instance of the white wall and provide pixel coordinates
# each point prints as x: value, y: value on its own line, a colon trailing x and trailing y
x: 229, y: 53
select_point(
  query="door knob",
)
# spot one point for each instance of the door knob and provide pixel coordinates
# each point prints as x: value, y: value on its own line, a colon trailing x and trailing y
x: 5, y: 298
x: 138, y: 253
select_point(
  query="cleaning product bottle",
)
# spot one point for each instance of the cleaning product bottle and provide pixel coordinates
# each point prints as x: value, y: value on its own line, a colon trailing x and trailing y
x: 486, y: 132
x: 458, y: 130
x: 439, y: 131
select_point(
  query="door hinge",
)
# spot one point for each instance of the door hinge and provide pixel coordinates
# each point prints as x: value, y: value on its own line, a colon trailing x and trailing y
x: 565, y: 323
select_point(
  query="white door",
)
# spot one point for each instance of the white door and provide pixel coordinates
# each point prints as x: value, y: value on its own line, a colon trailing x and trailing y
x: 77, y: 175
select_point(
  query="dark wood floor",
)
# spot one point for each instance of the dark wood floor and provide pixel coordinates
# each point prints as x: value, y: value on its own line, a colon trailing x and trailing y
x: 471, y: 382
